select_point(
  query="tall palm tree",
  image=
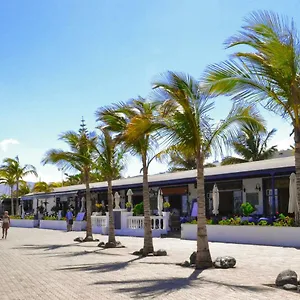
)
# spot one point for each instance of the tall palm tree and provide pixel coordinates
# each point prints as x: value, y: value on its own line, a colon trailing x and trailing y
x: 135, y: 126
x: 269, y: 74
x: 8, y: 179
x: 41, y: 186
x: 13, y: 166
x: 188, y: 126
x: 80, y: 157
x: 251, y: 145
x: 109, y: 165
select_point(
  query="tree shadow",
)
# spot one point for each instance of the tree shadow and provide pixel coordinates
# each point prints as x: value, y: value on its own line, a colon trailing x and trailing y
x: 101, y: 267
x: 152, y: 288
x: 47, y: 247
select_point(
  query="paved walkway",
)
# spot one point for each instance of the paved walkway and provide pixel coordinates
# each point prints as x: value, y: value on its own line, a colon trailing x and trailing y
x: 46, y: 264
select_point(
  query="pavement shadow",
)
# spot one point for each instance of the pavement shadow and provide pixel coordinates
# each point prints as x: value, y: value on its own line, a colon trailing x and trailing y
x: 47, y: 247
x: 101, y: 267
x: 152, y: 288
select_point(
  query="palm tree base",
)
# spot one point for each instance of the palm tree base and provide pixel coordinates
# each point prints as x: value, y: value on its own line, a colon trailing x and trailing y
x: 88, y: 239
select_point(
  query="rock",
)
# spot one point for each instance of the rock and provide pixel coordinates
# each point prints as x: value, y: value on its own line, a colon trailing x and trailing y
x: 79, y: 239
x: 138, y: 253
x: 160, y: 252
x: 193, y: 258
x: 286, y: 277
x: 88, y: 239
x: 290, y: 287
x: 101, y: 244
x: 224, y: 262
x: 185, y: 264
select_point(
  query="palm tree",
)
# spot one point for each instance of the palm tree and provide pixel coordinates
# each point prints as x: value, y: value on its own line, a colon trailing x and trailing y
x: 41, y: 187
x: 135, y: 124
x: 13, y: 166
x: 24, y: 188
x: 177, y: 159
x: 269, y: 74
x: 74, y: 179
x: 251, y: 145
x: 109, y: 165
x: 80, y: 157
x: 188, y: 126
x: 8, y: 179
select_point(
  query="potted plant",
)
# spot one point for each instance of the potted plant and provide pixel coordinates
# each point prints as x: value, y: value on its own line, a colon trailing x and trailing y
x: 99, y: 206
x: 166, y: 206
x: 128, y: 206
x: 247, y: 209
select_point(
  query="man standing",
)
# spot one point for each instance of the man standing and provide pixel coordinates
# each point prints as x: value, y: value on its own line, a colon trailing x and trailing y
x: 69, y: 219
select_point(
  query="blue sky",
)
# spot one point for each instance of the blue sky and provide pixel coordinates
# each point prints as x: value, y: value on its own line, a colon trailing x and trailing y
x: 61, y: 60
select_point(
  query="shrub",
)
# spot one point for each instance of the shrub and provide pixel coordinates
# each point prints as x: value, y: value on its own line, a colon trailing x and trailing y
x: 284, y: 221
x: 15, y: 217
x: 247, y: 209
x: 138, y: 210
x: 128, y: 205
x: 30, y: 217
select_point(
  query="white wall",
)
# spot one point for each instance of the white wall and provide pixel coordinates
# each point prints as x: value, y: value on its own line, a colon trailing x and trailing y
x: 250, y: 187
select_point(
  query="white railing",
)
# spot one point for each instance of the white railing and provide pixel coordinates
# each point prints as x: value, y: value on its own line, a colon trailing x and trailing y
x: 157, y: 222
x: 100, y: 221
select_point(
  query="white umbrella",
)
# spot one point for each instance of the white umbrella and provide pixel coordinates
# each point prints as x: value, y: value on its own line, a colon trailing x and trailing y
x: 117, y: 200
x: 129, y: 195
x: 160, y: 200
x: 82, y: 209
x: 215, y: 199
x: 293, y: 204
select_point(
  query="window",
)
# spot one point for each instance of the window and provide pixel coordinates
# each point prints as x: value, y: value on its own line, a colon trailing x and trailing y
x: 252, y: 198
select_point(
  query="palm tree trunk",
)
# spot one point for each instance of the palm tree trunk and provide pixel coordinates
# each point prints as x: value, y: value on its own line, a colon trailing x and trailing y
x: 203, y: 258
x: 111, y: 226
x: 89, y: 234
x: 12, y: 200
x: 297, y: 165
x: 148, y: 242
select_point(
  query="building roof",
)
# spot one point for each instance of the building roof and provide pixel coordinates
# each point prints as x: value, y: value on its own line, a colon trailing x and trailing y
x: 284, y: 165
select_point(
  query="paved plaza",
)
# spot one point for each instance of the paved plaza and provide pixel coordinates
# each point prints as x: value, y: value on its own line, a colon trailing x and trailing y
x: 46, y: 264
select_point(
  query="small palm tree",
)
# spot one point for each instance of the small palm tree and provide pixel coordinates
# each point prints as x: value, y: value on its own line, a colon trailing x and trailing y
x: 41, y: 186
x: 81, y: 157
x: 134, y: 124
x: 109, y: 165
x: 74, y: 179
x: 8, y: 179
x: 19, y: 172
x: 185, y: 111
x: 251, y: 145
x: 269, y: 74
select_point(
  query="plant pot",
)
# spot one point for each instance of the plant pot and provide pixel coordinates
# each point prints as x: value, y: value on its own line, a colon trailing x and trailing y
x: 128, y: 209
x: 166, y: 209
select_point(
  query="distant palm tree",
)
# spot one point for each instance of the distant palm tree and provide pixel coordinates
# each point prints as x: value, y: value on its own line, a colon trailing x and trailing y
x: 74, y: 179
x: 81, y: 157
x: 188, y: 126
x: 19, y: 172
x: 134, y: 124
x: 109, y: 165
x: 8, y: 179
x: 269, y: 74
x: 251, y: 145
x: 41, y: 186
x: 23, y: 188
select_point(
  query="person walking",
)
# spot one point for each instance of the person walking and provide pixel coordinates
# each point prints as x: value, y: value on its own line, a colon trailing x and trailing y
x: 5, y: 224
x: 69, y: 219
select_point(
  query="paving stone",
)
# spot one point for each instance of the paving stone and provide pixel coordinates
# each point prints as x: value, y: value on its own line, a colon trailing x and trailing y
x: 47, y: 264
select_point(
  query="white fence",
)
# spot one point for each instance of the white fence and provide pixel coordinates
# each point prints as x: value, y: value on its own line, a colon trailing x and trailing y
x: 132, y: 225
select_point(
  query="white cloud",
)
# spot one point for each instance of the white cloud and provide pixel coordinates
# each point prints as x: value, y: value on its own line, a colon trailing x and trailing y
x: 6, y: 143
